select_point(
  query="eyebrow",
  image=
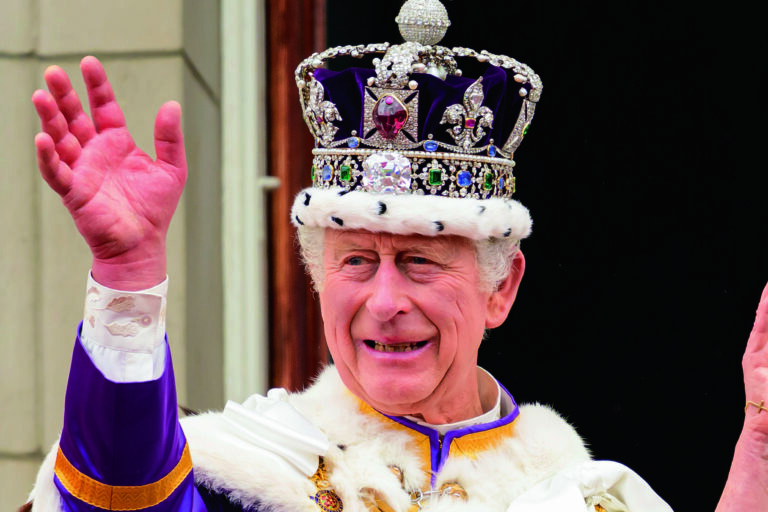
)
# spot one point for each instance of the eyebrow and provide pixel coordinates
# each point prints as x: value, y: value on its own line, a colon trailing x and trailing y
x: 435, y: 247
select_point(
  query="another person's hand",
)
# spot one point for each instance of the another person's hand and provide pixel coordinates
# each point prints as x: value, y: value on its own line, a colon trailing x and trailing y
x: 755, y: 366
x: 121, y: 200
x: 747, y: 485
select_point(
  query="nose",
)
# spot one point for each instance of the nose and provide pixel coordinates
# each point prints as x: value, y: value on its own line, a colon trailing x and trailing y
x: 388, y: 295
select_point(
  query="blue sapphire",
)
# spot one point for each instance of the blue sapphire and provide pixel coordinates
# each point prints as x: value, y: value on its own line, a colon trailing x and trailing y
x: 353, y: 142
x: 501, y: 183
x: 464, y: 178
x: 491, y: 150
x: 327, y: 173
x: 430, y: 145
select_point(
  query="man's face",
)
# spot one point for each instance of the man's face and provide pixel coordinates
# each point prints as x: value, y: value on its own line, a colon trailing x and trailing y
x: 404, y: 317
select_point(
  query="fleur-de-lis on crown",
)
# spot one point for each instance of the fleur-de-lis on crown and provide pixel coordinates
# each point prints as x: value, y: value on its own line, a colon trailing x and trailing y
x: 469, y: 118
x: 318, y: 114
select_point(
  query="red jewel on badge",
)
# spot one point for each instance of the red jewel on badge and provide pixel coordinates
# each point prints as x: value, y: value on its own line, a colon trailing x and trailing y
x: 328, y: 501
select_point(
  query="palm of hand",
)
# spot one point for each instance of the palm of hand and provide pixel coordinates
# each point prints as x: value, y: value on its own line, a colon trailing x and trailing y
x: 120, y: 198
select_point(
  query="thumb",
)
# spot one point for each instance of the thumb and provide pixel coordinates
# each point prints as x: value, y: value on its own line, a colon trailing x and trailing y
x: 169, y: 140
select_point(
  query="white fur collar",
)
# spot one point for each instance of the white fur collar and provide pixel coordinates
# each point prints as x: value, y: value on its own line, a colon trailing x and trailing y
x: 542, y: 444
x: 362, y: 447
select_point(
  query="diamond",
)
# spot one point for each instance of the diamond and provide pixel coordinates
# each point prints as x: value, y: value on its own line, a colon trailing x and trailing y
x: 476, y: 98
x: 464, y: 178
x: 327, y: 172
x: 387, y: 173
x: 389, y: 116
x: 346, y: 173
x: 430, y: 145
x: 435, y: 177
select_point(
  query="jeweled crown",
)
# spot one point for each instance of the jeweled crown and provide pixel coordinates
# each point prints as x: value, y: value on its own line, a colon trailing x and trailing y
x: 414, y: 125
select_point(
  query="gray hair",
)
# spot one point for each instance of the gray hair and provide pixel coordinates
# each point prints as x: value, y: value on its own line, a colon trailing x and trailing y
x: 493, y: 256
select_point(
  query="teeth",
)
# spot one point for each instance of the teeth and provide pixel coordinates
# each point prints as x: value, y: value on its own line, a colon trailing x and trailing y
x: 380, y: 347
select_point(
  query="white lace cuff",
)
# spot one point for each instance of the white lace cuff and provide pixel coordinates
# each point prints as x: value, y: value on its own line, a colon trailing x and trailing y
x: 124, y: 332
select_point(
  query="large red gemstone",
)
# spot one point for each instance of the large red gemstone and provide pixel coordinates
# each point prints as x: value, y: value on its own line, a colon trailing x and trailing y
x: 389, y: 116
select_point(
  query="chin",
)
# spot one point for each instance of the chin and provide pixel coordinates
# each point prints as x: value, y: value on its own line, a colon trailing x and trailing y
x: 395, y: 395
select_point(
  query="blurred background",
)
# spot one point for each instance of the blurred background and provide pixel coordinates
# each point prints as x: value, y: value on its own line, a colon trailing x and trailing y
x: 644, y: 269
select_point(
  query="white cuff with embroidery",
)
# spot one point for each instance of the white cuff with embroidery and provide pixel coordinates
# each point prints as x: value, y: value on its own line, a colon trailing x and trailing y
x: 124, y: 332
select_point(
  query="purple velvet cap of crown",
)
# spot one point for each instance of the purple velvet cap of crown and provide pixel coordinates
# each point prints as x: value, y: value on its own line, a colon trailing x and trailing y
x: 346, y: 89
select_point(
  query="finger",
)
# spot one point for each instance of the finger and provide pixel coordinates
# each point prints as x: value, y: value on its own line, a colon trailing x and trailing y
x: 69, y: 104
x: 56, y: 173
x: 54, y: 124
x: 759, y: 336
x: 105, y: 111
x: 169, y: 139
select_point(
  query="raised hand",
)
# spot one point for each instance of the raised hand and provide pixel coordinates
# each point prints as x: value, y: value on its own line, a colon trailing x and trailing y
x: 747, y: 485
x: 121, y: 200
x: 755, y: 366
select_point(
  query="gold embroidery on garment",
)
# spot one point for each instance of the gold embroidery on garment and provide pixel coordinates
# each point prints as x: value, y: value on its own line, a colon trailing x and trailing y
x: 120, y: 497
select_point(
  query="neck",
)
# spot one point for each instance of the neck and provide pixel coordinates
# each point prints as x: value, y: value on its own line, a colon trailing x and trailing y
x: 474, y: 400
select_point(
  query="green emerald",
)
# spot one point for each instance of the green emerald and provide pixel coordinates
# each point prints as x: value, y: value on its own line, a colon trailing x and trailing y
x: 525, y: 130
x: 435, y: 177
x: 488, y: 181
x: 312, y: 174
x: 513, y: 184
x: 346, y: 173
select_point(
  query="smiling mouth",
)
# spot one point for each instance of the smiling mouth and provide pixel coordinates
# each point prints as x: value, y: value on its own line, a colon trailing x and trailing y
x: 394, y: 347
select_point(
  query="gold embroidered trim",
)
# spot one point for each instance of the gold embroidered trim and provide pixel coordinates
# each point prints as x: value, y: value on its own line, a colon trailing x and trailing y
x: 120, y: 497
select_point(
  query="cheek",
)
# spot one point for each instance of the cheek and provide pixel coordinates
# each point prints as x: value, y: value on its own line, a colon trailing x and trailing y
x: 339, y: 301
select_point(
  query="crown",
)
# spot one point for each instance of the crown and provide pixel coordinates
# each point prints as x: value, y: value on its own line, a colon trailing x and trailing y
x: 414, y: 127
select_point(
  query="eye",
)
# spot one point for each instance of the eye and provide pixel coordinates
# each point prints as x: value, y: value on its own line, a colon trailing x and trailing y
x: 355, y: 261
x: 419, y: 260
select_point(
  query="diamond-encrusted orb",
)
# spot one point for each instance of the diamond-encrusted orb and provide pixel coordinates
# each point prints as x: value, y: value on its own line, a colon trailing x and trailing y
x: 387, y: 173
x: 389, y: 115
x: 423, y: 21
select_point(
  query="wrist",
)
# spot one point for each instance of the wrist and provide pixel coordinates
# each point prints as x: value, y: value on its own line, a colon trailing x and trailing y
x: 130, y: 274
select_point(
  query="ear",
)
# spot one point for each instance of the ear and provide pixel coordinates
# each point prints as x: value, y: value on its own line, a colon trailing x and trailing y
x: 500, y: 301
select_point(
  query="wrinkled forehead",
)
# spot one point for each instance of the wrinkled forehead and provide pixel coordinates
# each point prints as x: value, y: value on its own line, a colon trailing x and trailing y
x: 339, y: 241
